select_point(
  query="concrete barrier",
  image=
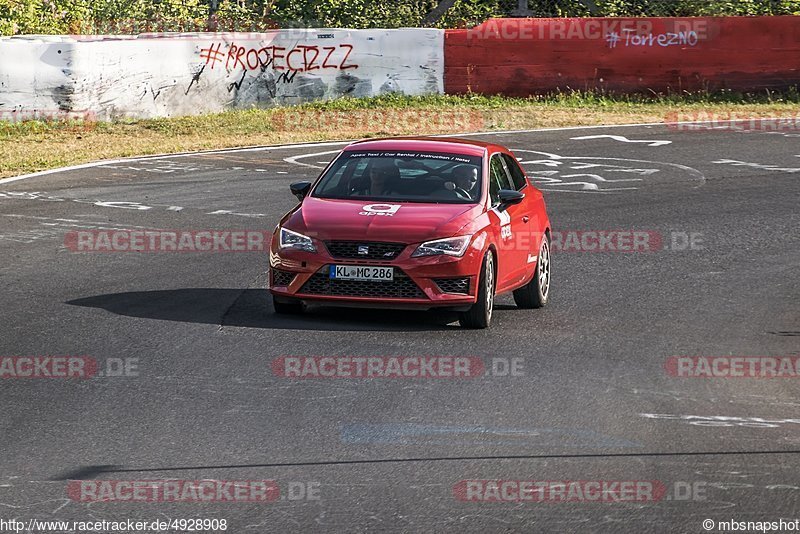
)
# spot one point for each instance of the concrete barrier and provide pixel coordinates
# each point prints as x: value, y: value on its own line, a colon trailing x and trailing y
x: 163, y: 75
x: 520, y: 57
x: 35, y: 77
x: 174, y: 75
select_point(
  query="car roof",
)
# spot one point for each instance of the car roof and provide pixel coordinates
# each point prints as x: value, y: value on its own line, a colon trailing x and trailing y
x: 433, y: 144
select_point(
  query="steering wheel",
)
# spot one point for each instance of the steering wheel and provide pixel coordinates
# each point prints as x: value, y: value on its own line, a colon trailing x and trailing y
x: 462, y: 194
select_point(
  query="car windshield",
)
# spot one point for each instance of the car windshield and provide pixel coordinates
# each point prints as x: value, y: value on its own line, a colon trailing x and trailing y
x: 403, y: 177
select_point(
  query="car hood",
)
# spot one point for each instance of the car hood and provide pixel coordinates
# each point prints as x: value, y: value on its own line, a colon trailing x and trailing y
x: 408, y: 222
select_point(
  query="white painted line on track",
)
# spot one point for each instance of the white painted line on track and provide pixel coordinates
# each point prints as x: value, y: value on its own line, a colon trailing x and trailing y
x: 62, y: 169
x: 294, y: 159
x: 166, y: 156
x: 622, y: 139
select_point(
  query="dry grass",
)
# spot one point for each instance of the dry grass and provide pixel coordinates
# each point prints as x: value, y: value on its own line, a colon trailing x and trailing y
x: 33, y: 146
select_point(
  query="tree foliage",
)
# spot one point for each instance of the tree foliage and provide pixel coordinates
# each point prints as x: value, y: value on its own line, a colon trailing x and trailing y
x: 138, y: 16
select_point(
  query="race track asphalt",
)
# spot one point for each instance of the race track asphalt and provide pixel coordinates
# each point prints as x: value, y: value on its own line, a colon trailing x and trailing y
x: 591, y: 400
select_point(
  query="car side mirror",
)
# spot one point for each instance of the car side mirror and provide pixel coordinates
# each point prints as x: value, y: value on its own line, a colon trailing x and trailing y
x: 300, y: 189
x: 509, y: 197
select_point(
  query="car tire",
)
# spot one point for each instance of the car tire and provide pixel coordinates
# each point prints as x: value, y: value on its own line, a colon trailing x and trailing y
x: 479, y: 315
x: 537, y: 292
x: 288, y: 307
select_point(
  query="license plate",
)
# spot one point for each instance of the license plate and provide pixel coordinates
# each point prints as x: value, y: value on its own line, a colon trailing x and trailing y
x: 364, y: 274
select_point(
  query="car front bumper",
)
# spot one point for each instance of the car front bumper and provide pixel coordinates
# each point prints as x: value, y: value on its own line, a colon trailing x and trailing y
x: 419, y: 283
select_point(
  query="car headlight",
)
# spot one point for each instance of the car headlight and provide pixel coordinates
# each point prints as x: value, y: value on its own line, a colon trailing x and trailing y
x: 297, y: 241
x: 452, y: 246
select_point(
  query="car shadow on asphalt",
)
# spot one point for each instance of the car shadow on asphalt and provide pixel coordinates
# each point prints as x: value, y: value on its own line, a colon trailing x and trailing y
x: 252, y: 308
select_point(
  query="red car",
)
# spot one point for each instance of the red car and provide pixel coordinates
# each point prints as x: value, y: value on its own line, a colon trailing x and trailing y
x: 414, y: 223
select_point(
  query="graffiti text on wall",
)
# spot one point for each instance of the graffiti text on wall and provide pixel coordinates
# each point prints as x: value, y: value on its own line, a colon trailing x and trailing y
x: 301, y: 58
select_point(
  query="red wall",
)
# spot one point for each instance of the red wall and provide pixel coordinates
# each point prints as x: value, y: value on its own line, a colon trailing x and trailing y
x: 519, y: 57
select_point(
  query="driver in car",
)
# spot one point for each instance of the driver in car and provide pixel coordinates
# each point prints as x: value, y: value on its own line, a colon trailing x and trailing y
x: 465, y: 178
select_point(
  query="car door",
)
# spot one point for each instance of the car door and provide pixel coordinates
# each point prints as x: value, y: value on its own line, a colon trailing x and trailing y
x: 533, y: 228
x: 512, y: 221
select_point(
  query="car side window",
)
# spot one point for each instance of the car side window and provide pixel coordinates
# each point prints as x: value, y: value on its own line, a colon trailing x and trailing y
x: 498, y: 179
x: 517, y: 176
x: 336, y: 184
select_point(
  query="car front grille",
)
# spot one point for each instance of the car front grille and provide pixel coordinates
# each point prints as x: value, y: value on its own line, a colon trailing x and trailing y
x: 453, y: 285
x: 282, y: 278
x: 370, y: 250
x: 402, y: 287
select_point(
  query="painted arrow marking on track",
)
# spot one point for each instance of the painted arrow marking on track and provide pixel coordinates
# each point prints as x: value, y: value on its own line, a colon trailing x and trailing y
x: 622, y: 139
